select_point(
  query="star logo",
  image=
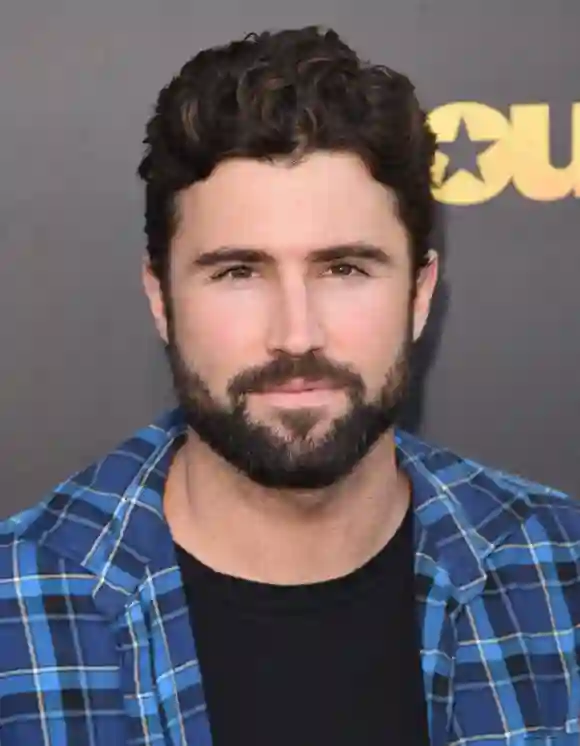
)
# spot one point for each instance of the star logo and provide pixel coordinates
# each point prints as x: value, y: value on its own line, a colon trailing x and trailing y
x: 463, y: 153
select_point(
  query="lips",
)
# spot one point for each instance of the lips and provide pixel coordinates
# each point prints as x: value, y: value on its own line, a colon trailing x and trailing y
x: 299, y: 385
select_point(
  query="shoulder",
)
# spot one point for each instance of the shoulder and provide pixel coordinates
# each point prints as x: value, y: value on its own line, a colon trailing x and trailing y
x: 14, y: 551
x: 39, y: 592
x: 98, y: 527
x: 485, y: 499
x: 29, y: 569
x: 548, y: 533
x: 84, y: 507
x: 55, y: 646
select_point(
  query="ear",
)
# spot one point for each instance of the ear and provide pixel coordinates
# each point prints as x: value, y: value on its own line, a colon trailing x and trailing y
x: 152, y: 288
x: 426, y: 283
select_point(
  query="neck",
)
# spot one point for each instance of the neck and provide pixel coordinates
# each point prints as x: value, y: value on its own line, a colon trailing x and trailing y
x: 289, y: 537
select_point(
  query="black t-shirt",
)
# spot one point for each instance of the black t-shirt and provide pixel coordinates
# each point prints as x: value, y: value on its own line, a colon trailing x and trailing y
x: 334, y: 663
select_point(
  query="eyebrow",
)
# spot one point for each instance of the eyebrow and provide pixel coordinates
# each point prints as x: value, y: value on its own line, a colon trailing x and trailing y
x: 228, y: 254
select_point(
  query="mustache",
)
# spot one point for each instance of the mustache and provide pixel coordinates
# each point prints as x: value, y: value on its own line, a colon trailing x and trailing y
x: 310, y: 366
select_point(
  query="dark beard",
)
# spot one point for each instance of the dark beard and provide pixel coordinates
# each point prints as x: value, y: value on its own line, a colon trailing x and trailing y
x: 295, y: 461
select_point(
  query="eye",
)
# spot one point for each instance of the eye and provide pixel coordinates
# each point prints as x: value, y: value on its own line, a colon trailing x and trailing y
x: 344, y: 269
x: 237, y: 272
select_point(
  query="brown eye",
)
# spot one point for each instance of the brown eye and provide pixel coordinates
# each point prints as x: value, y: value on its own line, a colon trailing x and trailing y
x: 238, y: 272
x: 345, y: 270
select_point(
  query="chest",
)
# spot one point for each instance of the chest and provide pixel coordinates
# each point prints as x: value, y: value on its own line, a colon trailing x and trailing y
x: 341, y: 664
x: 507, y: 670
x: 491, y: 673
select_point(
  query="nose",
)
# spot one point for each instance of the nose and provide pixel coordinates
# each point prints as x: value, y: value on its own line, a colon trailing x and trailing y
x: 294, y: 325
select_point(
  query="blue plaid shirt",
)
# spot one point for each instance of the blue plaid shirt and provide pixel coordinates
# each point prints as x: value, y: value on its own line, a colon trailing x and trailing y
x: 96, y: 648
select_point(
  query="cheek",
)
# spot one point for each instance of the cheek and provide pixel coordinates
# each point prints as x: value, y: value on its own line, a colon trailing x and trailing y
x: 216, y: 336
x: 374, y: 322
x: 371, y: 336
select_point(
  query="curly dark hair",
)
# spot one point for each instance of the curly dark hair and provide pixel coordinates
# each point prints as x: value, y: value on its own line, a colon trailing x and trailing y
x: 286, y: 94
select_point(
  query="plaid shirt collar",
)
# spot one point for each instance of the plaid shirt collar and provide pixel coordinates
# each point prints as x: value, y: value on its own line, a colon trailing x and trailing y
x: 109, y: 517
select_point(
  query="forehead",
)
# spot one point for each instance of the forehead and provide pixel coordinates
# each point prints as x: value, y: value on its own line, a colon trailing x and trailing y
x: 326, y: 199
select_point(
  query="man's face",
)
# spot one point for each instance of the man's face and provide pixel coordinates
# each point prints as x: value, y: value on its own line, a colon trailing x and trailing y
x: 290, y: 314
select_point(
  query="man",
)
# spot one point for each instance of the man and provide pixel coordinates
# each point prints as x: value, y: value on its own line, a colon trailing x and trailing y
x: 275, y: 562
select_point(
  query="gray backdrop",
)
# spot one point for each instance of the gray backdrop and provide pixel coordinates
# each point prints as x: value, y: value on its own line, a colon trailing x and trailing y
x: 80, y: 367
